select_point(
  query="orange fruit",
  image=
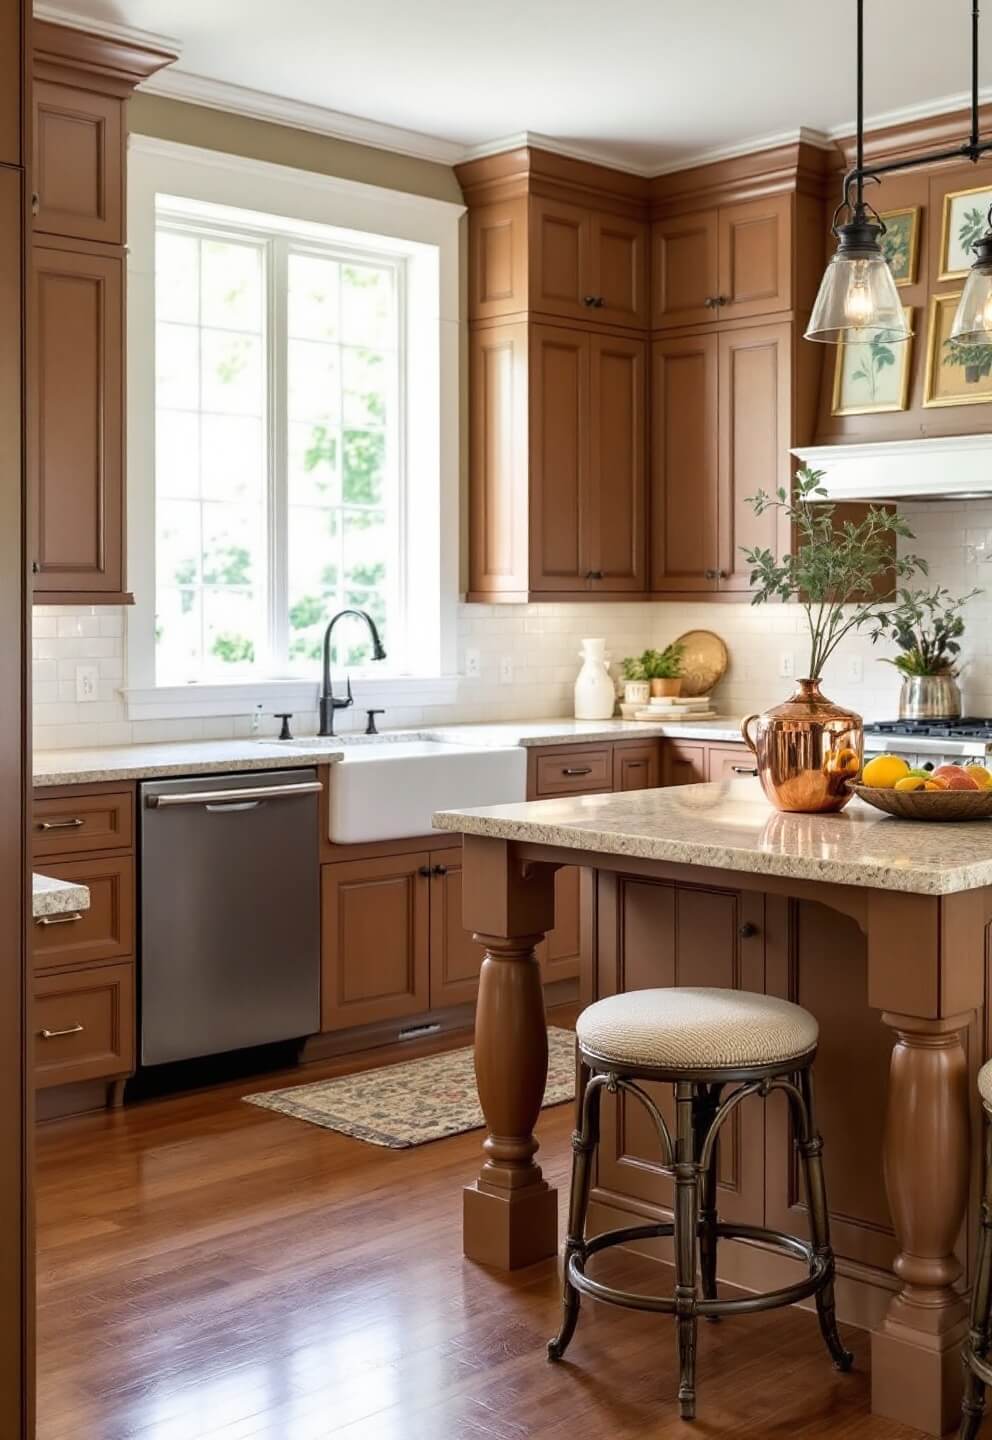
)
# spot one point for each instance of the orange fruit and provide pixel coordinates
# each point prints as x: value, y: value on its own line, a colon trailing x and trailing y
x: 884, y: 771
x: 910, y: 782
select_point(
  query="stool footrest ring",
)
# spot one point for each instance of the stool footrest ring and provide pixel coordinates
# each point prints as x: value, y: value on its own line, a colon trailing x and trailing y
x: 821, y: 1271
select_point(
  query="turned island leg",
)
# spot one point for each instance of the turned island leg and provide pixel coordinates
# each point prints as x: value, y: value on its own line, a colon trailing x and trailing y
x: 916, y: 1367
x: 510, y: 1214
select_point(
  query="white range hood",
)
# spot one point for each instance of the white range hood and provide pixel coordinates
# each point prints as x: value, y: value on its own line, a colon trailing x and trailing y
x: 952, y: 467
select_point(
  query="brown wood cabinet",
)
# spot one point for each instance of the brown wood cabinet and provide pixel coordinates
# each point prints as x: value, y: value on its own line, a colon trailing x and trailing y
x: 722, y: 422
x: 692, y: 762
x: 455, y: 957
x: 83, y: 1024
x: 104, y: 931
x: 76, y: 336
x: 729, y: 262
x: 588, y: 265
x: 76, y: 428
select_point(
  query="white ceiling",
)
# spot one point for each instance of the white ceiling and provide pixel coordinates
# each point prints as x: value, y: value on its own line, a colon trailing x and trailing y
x: 643, y: 83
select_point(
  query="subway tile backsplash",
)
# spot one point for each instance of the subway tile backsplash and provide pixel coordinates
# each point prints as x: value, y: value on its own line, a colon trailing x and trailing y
x: 540, y: 644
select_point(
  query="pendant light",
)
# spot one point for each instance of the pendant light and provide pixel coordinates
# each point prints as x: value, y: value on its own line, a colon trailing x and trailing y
x: 973, y: 319
x: 858, y: 302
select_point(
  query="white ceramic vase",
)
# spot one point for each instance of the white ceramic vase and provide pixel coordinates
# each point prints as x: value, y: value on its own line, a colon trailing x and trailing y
x: 595, y: 695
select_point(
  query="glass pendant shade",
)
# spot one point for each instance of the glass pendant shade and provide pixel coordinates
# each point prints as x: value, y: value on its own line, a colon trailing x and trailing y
x: 973, y: 320
x: 858, y: 302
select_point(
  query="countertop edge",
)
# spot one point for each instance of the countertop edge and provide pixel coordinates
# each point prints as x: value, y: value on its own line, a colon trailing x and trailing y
x: 152, y: 770
x: 717, y: 857
x: 50, y: 896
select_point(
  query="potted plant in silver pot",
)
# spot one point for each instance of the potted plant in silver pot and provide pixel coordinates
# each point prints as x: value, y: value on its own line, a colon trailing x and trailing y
x: 927, y: 626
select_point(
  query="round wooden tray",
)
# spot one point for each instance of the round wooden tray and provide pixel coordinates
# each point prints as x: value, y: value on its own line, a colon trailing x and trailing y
x: 929, y: 804
x: 704, y: 661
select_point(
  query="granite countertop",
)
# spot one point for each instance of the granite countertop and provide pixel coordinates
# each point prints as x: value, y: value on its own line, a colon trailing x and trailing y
x: 57, y: 897
x: 731, y: 826
x: 205, y: 757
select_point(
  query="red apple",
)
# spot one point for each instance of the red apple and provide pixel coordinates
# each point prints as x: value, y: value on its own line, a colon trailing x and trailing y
x: 957, y: 777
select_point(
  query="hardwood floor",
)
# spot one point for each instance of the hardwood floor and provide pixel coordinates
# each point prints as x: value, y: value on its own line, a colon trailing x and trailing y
x: 211, y: 1271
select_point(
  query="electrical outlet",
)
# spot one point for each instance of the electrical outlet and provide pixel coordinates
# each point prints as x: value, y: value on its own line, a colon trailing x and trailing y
x: 855, y: 669
x: 473, y: 664
x: 787, y: 665
x: 506, y: 669
x: 87, y: 683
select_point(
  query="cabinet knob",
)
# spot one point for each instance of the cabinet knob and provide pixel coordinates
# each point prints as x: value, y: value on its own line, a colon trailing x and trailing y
x: 594, y: 575
x: 589, y: 301
x: 723, y: 574
x: 35, y: 202
x: 711, y: 302
x: 440, y: 870
x: 600, y: 302
x: 747, y: 931
x: 709, y: 574
x: 424, y: 870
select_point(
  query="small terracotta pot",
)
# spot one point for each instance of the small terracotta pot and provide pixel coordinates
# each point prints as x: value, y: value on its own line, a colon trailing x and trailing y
x: 667, y: 687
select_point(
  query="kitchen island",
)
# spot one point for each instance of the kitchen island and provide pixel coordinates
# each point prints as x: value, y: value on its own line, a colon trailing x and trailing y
x: 877, y: 926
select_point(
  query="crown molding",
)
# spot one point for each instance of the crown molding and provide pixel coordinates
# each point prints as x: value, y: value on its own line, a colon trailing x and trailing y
x: 129, y: 34
x: 175, y: 84
x: 908, y: 114
x: 532, y: 139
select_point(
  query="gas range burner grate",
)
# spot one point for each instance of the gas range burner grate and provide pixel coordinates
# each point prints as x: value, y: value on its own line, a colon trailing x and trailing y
x: 968, y: 728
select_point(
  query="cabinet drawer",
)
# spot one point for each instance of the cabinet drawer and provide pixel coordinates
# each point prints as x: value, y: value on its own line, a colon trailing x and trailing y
x: 103, y: 932
x: 83, y: 1024
x: 731, y: 762
x: 83, y: 823
x: 574, y: 772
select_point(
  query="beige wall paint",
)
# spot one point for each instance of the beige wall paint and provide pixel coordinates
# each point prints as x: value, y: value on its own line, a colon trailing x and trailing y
x: 282, y: 145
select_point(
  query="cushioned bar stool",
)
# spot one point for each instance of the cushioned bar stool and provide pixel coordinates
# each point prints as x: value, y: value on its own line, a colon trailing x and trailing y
x: 978, y: 1369
x: 701, y: 1041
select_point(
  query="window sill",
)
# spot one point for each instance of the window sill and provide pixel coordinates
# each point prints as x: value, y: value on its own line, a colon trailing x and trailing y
x: 197, y: 702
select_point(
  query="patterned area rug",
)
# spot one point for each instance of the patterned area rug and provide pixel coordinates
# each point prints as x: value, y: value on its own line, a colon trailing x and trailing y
x: 415, y: 1101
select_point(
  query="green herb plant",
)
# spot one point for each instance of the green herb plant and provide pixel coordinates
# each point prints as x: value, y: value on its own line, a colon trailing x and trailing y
x: 663, y: 664
x: 926, y: 625
x: 632, y: 668
x: 833, y: 567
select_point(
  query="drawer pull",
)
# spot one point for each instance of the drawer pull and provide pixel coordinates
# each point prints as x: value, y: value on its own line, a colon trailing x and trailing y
x: 744, y: 769
x: 73, y: 824
x: 57, y: 1034
x: 68, y: 919
x: 577, y: 770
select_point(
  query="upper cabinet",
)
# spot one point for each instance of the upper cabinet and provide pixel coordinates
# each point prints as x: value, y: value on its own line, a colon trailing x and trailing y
x: 731, y: 262
x: 76, y: 407
x: 588, y: 265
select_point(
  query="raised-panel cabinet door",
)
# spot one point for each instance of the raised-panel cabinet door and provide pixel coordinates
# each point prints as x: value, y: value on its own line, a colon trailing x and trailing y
x: 375, y: 940
x: 560, y: 259
x: 75, y: 454
x: 619, y: 279
x: 755, y: 258
x: 498, y: 462
x: 11, y: 20
x: 818, y: 958
x: 636, y: 767
x: 559, y: 459
x: 755, y: 434
x: 655, y: 934
x: 613, y: 506
x: 559, y: 953
x: 455, y: 957
x: 684, y: 462
x: 78, y: 163
x: 498, y: 259
x: 683, y: 764
x: 685, y: 270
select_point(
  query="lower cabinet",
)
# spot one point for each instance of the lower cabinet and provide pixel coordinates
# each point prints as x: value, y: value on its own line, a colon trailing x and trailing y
x: 691, y: 762
x: 83, y: 1024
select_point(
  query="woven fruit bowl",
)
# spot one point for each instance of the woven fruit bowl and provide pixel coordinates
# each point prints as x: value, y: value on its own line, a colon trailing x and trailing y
x: 928, y: 804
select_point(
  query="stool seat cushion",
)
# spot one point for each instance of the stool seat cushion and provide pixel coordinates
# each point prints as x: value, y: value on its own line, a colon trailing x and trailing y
x: 985, y: 1083
x: 690, y: 1029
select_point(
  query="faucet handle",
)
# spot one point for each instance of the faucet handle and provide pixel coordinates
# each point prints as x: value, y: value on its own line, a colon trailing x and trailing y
x: 285, y: 733
x: 370, y: 727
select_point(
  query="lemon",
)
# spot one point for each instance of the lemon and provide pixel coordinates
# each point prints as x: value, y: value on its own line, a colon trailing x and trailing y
x: 910, y: 782
x: 884, y: 771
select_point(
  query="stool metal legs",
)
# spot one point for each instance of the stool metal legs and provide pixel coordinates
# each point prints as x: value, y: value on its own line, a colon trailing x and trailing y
x: 977, y: 1370
x: 690, y: 1156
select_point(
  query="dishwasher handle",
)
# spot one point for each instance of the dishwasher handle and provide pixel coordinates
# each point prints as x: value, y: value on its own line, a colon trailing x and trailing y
x: 237, y: 799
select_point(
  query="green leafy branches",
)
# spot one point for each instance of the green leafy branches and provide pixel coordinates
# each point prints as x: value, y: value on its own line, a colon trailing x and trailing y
x: 926, y: 625
x: 834, y: 566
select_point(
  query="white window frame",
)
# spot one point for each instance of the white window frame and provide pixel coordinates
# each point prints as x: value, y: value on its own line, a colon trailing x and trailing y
x: 425, y: 236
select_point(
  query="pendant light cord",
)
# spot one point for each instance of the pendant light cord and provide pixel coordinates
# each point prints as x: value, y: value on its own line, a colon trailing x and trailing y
x: 861, y: 106
x: 974, y: 79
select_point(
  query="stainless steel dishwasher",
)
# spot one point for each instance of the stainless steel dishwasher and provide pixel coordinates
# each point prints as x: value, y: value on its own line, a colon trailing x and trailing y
x: 230, y: 912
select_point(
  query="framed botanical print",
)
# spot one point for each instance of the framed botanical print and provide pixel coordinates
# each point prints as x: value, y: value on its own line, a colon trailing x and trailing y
x: 900, y: 243
x: 965, y: 218
x: 872, y: 376
x: 957, y: 373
